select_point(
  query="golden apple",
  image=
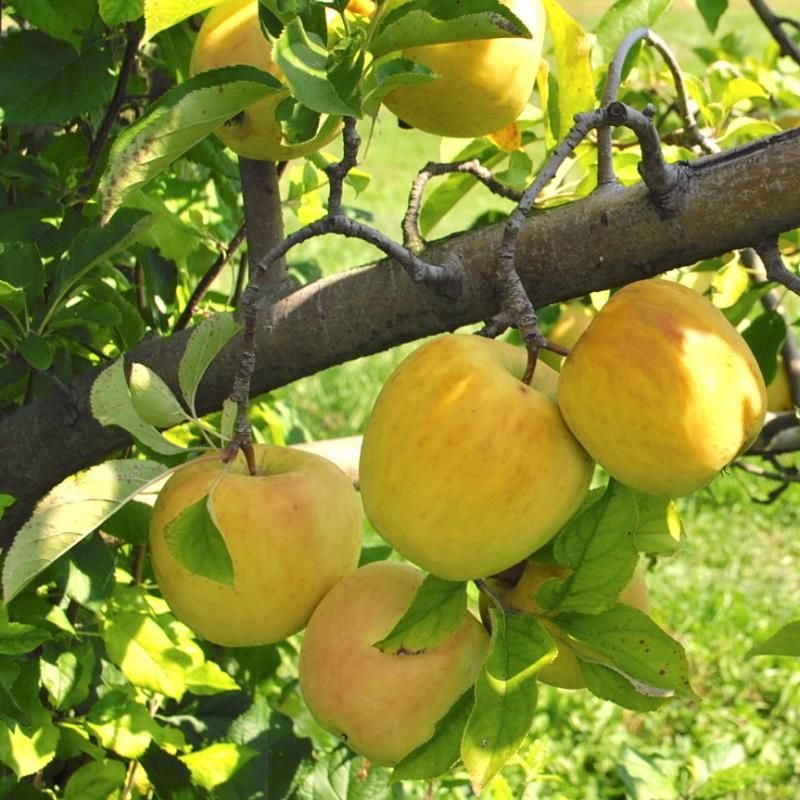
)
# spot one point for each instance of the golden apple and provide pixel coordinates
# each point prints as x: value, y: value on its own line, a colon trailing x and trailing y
x: 661, y: 389
x: 573, y: 320
x: 292, y: 531
x: 779, y: 391
x: 482, y: 84
x: 465, y: 470
x: 231, y: 34
x: 565, y: 671
x: 383, y: 705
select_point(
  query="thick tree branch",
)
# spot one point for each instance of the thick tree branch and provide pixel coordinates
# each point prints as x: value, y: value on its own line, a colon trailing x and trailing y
x: 608, y: 239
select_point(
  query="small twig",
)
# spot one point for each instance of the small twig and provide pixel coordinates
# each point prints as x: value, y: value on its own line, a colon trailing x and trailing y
x: 775, y: 25
x: 775, y: 268
x: 412, y: 237
x: 205, y: 282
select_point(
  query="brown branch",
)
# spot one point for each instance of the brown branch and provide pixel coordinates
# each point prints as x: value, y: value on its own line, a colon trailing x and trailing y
x: 775, y: 26
x: 602, y: 241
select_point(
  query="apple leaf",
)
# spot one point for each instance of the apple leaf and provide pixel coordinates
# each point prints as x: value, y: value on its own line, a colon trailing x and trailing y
x: 572, y: 48
x: 626, y: 641
x: 659, y: 528
x: 69, y: 513
x: 784, y: 642
x: 387, y: 73
x: 765, y: 336
x: 624, y: 17
x: 437, y: 610
x: 607, y: 683
x: 195, y: 541
x: 505, y: 694
x: 712, y: 11
x: 162, y: 14
x: 112, y: 404
x: 204, y: 345
x: 598, y: 545
x: 442, y: 750
x: 103, y: 778
x: 183, y: 117
x: 153, y: 399
x: 422, y: 22
x: 217, y: 763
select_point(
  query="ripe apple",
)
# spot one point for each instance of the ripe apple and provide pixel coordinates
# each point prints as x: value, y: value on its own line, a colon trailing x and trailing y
x: 292, y: 531
x: 383, y: 705
x: 231, y: 34
x: 661, y: 389
x: 573, y: 320
x: 483, y: 84
x: 565, y: 671
x: 465, y: 470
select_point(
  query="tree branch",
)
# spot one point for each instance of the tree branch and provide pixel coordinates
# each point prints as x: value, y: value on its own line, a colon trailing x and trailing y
x: 775, y: 25
x: 605, y: 240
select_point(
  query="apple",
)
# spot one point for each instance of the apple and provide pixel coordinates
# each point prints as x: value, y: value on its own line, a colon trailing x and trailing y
x: 482, y: 84
x: 465, y: 470
x: 231, y: 34
x: 383, y: 705
x: 292, y: 531
x: 661, y: 389
x: 573, y: 320
x: 564, y: 671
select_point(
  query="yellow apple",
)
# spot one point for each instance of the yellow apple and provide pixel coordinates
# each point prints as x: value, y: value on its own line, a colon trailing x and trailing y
x: 465, y: 470
x: 231, y: 34
x: 383, y: 705
x: 573, y: 320
x: 661, y: 389
x: 292, y: 531
x: 779, y: 392
x: 482, y: 84
x: 565, y: 671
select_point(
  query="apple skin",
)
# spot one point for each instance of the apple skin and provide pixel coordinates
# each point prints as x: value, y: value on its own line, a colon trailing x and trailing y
x: 292, y: 531
x: 231, y: 34
x: 383, y: 705
x: 661, y: 389
x: 483, y: 84
x: 565, y: 671
x: 465, y: 470
x: 572, y: 321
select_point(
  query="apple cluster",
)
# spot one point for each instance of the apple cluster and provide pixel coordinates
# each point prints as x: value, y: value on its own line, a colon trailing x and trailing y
x: 468, y: 473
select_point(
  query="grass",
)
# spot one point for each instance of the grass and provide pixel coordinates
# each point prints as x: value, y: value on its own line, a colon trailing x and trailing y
x: 733, y: 582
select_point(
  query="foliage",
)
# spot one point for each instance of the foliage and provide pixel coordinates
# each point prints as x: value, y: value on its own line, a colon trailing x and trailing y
x: 116, y: 203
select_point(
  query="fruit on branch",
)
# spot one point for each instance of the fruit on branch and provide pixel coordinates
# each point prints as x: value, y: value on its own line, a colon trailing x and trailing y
x: 779, y: 390
x: 573, y: 320
x: 292, y: 531
x: 383, y: 705
x: 564, y: 671
x: 465, y: 470
x: 231, y: 34
x: 661, y: 389
x: 482, y: 84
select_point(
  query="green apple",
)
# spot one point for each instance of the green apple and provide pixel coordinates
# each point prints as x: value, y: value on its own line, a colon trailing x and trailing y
x: 465, y: 470
x: 383, y: 705
x: 292, y: 531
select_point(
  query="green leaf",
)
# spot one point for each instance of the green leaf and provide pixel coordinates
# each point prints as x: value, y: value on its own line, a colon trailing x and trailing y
x: 304, y: 62
x: 442, y: 750
x: 183, y: 117
x: 712, y: 11
x: 217, y: 763
x: 387, y: 73
x: 784, y: 642
x: 597, y: 544
x: 36, y: 351
x: 437, y: 610
x: 112, y: 404
x: 12, y: 298
x: 67, y: 21
x: 422, y: 22
x: 624, y: 17
x: 628, y: 642
x: 765, y: 336
x: 153, y: 399
x: 505, y: 695
x: 122, y: 725
x: 195, y: 541
x: 145, y: 653
x: 6, y: 501
x: 204, y: 345
x: 659, y: 529
x: 26, y: 749
x: 98, y: 780
x: 59, y: 677
x: 643, y: 778
x: 209, y: 678
x: 572, y: 48
x: 115, y: 12
x: 604, y: 682
x: 162, y: 14
x: 45, y: 81
x: 70, y: 512
x: 17, y: 638
x: 737, y: 89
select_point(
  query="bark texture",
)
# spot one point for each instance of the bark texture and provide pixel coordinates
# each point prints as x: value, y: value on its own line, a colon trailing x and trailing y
x: 617, y: 235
